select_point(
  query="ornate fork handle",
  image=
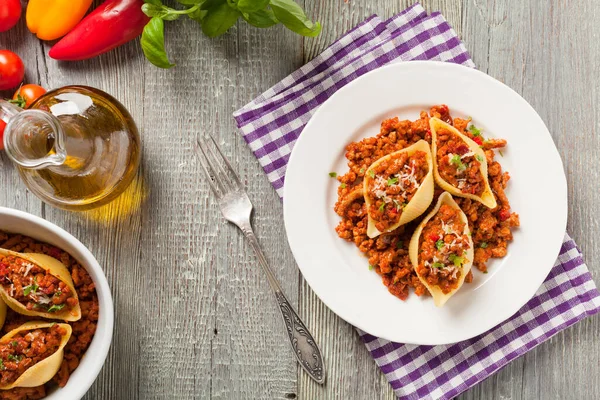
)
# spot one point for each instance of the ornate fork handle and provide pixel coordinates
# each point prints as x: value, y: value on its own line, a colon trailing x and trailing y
x: 304, y: 345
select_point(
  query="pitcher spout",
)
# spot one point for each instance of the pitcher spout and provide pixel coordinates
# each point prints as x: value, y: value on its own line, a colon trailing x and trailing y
x: 32, y: 138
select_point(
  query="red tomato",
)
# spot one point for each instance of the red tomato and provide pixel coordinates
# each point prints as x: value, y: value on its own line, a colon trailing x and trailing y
x: 10, y: 12
x: 27, y: 94
x: 477, y: 139
x: 2, y: 126
x: 12, y: 70
x: 504, y: 214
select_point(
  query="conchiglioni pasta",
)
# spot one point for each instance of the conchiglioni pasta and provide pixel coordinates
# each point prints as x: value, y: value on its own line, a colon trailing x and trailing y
x: 31, y: 354
x: 460, y: 165
x: 38, y: 285
x: 441, y: 249
x: 398, y: 188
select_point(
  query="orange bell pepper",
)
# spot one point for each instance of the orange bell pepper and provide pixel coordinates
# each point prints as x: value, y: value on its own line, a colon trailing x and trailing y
x: 52, y: 19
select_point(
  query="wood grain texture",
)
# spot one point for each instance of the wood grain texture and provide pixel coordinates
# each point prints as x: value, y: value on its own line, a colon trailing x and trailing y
x: 188, y: 293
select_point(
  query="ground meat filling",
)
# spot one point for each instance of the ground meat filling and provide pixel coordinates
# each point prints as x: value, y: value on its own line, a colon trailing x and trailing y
x: 34, y: 287
x: 394, y: 182
x: 27, y: 348
x: 457, y: 164
x: 442, y: 249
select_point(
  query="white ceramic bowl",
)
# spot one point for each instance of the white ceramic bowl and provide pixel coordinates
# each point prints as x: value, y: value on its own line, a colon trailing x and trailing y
x: 82, y: 378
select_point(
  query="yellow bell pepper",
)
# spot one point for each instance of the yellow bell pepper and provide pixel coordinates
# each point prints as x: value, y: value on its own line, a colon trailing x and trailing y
x: 52, y: 19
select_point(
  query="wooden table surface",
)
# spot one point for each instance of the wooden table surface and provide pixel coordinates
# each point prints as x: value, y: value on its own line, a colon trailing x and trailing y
x: 195, y: 317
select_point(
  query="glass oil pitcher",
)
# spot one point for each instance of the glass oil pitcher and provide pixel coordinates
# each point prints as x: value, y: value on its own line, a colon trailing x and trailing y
x: 76, y: 147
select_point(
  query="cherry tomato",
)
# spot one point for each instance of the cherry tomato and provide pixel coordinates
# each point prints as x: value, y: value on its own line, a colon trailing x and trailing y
x: 12, y: 70
x: 2, y: 126
x: 10, y: 12
x: 27, y: 94
x: 477, y: 139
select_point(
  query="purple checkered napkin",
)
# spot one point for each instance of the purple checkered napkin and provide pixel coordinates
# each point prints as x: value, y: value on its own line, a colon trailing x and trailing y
x: 272, y: 122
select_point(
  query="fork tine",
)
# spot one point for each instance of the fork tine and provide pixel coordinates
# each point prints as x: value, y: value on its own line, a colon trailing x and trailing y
x: 232, y: 172
x: 217, y: 163
x: 207, y: 169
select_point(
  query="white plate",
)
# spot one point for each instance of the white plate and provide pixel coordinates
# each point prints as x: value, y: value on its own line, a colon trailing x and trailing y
x: 336, y: 270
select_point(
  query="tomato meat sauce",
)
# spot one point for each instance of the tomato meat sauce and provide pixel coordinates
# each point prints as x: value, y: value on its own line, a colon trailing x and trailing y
x: 457, y: 164
x: 387, y: 254
x: 83, y: 330
x: 33, y: 286
x: 442, y: 249
x: 394, y: 183
x: 27, y: 348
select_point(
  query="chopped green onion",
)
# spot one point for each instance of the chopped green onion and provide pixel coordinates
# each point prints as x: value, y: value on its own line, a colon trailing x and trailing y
x: 333, y: 174
x: 456, y: 259
x: 438, y: 265
x: 58, y: 293
x: 397, y: 204
x: 371, y: 174
x: 381, y: 207
x: 362, y: 171
x: 439, y: 244
x: 483, y: 245
x: 399, y: 244
x: 14, y: 343
x: 473, y: 129
x: 56, y: 307
x: 371, y: 268
x: 500, y: 151
x: 343, y: 186
x: 14, y: 358
x: 479, y: 158
x: 392, y: 181
x: 2, y: 367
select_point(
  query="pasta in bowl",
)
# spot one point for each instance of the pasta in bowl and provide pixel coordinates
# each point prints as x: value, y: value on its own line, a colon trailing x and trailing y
x: 88, y: 311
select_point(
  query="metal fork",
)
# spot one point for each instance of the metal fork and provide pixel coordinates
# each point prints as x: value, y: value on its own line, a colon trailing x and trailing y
x: 237, y: 208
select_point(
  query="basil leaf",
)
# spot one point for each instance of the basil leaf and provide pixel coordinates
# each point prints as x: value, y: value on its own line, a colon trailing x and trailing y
x: 293, y: 17
x: 261, y: 18
x: 162, y: 12
x: 198, y: 15
x: 153, y: 43
x: 218, y: 20
x: 153, y: 2
x: 250, y: 6
x: 208, y: 4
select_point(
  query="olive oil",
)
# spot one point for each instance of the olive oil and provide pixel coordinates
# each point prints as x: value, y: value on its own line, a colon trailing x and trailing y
x: 86, y: 160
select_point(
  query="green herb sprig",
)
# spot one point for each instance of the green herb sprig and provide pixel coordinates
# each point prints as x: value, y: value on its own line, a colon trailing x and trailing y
x: 458, y: 163
x: 56, y: 307
x: 216, y: 17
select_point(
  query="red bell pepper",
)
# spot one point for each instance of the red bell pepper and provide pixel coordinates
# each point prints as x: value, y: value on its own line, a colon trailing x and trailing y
x: 112, y: 24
